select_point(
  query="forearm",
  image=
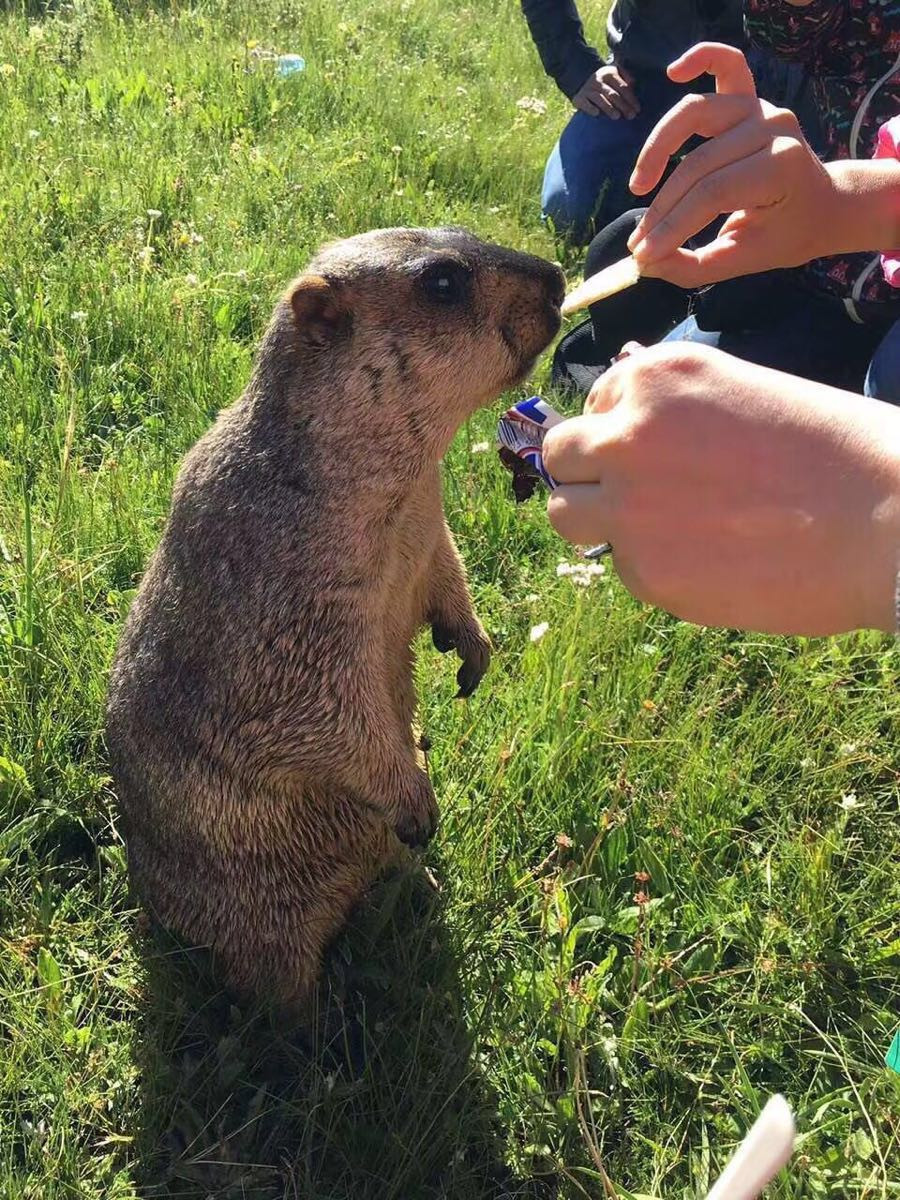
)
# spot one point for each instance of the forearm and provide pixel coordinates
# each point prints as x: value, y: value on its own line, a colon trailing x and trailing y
x: 865, y: 210
x: 559, y: 37
x: 448, y: 592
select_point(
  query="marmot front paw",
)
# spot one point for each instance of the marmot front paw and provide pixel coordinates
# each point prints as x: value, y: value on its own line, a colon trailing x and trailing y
x: 417, y: 815
x: 473, y: 647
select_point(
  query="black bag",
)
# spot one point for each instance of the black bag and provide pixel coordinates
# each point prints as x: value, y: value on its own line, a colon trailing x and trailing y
x: 749, y: 302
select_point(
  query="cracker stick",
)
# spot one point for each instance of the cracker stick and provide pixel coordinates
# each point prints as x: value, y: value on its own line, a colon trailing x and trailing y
x: 760, y: 1156
x: 607, y: 282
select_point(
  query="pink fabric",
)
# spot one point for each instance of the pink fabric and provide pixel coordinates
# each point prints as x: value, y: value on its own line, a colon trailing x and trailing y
x: 889, y: 147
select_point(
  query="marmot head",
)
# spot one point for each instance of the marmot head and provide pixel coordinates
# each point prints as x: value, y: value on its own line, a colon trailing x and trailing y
x: 433, y: 319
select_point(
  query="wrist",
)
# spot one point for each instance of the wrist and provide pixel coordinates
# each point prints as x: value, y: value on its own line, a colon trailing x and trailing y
x: 882, y: 570
x: 865, y: 207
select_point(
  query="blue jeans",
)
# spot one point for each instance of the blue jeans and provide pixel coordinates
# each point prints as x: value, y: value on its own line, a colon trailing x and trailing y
x: 883, y: 375
x: 586, y: 177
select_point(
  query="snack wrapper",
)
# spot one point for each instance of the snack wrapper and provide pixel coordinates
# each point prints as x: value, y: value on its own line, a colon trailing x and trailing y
x: 520, y: 435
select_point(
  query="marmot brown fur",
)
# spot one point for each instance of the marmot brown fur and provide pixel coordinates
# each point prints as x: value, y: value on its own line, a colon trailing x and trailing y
x: 261, y: 702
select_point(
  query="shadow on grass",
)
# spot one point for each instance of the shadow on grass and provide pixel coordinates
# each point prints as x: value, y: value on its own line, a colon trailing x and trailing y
x: 384, y: 1100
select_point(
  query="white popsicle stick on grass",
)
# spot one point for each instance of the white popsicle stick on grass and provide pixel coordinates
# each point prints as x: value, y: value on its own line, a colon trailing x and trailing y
x: 760, y: 1156
x: 605, y: 283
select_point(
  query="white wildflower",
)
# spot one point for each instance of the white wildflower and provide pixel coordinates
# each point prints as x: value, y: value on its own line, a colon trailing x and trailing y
x: 582, y: 574
x: 481, y: 447
x: 532, y: 598
x: 538, y: 631
x: 846, y: 749
x: 532, y: 104
x: 849, y: 801
x: 191, y: 279
x: 79, y: 316
x: 153, y: 213
x: 34, y: 133
x: 145, y: 254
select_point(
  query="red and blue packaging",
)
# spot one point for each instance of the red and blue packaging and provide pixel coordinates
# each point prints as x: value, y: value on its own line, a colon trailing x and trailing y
x: 520, y: 435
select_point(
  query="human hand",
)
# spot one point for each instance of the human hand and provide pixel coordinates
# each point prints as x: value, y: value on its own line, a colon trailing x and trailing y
x: 734, y: 495
x: 786, y: 207
x: 756, y: 165
x: 609, y: 92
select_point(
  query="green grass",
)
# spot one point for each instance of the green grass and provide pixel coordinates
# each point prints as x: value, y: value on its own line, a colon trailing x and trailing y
x: 532, y: 1020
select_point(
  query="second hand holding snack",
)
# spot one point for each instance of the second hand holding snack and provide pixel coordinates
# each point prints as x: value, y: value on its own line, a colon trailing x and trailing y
x: 520, y: 437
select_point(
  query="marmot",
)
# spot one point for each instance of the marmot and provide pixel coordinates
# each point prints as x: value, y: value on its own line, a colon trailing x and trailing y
x: 261, y: 702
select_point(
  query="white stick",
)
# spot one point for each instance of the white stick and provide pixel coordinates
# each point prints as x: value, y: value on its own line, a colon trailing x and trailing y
x: 607, y: 282
x: 760, y: 1156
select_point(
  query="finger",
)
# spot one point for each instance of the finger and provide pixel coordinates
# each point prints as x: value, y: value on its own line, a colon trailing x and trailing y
x: 576, y: 450
x: 588, y: 107
x: 741, y: 186
x: 725, y: 258
x: 708, y: 116
x: 621, y: 104
x: 734, y: 144
x: 623, y: 96
x: 606, y: 392
x: 625, y: 74
x: 579, y: 514
x: 627, y: 350
x: 726, y: 63
x: 603, y: 100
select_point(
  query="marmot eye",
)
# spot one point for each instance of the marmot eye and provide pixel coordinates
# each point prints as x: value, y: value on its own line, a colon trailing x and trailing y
x: 446, y: 283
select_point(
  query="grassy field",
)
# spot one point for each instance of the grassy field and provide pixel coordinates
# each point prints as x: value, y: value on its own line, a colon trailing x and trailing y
x: 669, y: 869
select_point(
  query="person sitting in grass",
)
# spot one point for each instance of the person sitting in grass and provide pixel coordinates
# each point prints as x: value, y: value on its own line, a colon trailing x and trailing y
x: 732, y: 494
x: 824, y: 321
x: 620, y: 99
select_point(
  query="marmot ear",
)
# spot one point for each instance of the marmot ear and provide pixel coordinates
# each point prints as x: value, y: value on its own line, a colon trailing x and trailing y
x: 321, y: 315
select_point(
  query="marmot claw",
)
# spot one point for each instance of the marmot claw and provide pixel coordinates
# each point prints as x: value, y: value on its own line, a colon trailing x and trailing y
x: 473, y: 647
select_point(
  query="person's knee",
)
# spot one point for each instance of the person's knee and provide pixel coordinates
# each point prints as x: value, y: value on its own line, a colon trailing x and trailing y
x: 569, y: 208
x: 589, y: 165
x: 883, y: 375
